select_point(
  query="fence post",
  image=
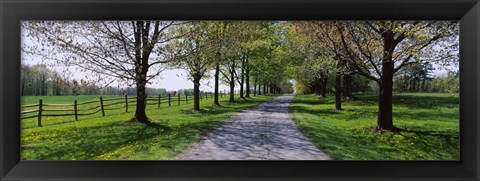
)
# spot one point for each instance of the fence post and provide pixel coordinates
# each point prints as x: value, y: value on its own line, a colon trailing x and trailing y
x: 126, y: 103
x: 159, y: 97
x: 169, y: 97
x: 211, y: 95
x: 40, y: 107
x: 178, y: 98
x: 101, y: 106
x: 75, y: 109
x: 186, y: 99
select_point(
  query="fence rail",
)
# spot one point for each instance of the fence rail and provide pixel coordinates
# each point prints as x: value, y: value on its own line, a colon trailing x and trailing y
x: 103, y: 105
x: 30, y: 105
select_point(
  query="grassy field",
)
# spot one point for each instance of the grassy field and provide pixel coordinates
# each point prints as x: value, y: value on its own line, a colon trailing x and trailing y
x: 113, y: 138
x: 430, y: 120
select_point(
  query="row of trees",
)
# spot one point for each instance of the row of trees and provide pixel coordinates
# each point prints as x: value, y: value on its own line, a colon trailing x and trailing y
x: 135, y: 52
x: 39, y: 80
x: 419, y: 78
x: 262, y: 54
x: 380, y: 51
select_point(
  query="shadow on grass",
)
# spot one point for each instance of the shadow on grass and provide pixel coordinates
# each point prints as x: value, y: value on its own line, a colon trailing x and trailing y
x: 360, y: 112
x: 85, y: 143
x: 446, y: 135
x: 414, y: 101
x: 313, y: 101
x: 160, y: 128
x: 321, y: 112
x: 88, y: 142
x: 427, y: 116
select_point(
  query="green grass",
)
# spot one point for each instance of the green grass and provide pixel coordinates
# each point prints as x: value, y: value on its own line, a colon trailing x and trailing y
x: 113, y: 138
x: 46, y: 120
x: 431, y: 121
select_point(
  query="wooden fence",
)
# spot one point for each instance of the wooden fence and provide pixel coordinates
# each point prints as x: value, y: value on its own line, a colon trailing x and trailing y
x: 102, y: 104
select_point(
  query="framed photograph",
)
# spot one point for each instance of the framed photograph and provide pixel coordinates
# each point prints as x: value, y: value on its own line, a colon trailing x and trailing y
x: 239, y: 90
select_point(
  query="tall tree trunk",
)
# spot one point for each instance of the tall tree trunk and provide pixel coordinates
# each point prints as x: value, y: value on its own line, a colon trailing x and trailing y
x: 142, y: 53
x: 385, y: 103
x: 347, y: 86
x: 247, y: 78
x: 196, y: 92
x: 264, y: 88
x: 242, y: 78
x: 232, y: 83
x: 385, y: 99
x: 217, y: 72
x: 259, y: 89
x: 385, y: 121
x: 255, y: 87
x: 338, y: 91
x: 140, y: 115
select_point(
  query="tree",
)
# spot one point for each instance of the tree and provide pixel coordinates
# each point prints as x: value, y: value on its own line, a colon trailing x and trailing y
x: 197, y: 47
x: 118, y: 50
x: 228, y: 71
x: 379, y: 49
x: 219, y: 29
x: 231, y: 54
x: 314, y: 63
x: 414, y: 77
x: 328, y: 42
x: 240, y: 77
x: 448, y: 82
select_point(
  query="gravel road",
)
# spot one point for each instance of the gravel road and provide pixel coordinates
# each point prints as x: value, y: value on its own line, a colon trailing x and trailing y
x: 264, y: 132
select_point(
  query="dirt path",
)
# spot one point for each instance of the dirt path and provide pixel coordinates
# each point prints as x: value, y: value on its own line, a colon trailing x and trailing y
x: 265, y: 132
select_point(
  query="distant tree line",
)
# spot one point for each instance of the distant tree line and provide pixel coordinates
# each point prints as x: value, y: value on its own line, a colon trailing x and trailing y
x: 39, y: 80
x: 419, y: 78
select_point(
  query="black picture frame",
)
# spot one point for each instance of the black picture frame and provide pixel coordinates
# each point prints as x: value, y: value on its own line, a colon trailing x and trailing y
x: 13, y: 11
